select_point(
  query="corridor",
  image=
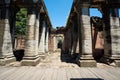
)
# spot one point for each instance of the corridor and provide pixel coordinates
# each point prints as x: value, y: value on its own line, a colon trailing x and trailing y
x: 57, y: 66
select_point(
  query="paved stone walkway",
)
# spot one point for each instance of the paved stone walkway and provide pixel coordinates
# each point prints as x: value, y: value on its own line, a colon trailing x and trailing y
x: 42, y: 73
x: 54, y: 60
x: 56, y: 67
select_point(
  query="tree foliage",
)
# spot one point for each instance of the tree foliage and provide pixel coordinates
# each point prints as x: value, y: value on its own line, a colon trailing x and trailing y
x: 20, y: 26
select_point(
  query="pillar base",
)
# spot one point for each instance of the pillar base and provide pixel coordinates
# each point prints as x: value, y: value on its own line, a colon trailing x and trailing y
x: 116, y: 59
x: 86, y: 61
x: 117, y: 62
x: 42, y: 56
x: 30, y: 61
x: 4, y: 61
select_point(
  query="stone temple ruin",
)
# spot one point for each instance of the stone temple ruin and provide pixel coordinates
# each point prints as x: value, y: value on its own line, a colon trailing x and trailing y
x: 80, y: 37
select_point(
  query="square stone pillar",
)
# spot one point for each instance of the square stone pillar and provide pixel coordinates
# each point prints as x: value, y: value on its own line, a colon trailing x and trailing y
x: 85, y: 39
x: 37, y: 26
x: 46, y: 40
x: 31, y: 56
x: 71, y: 39
x: 106, y: 34
x: 115, y: 35
x: 6, y: 50
x: 75, y: 48
x: 41, y: 50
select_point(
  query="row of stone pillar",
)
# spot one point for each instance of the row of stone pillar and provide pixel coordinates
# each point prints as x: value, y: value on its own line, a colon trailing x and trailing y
x: 71, y: 42
x: 35, y: 44
x: 85, y: 38
x: 110, y: 32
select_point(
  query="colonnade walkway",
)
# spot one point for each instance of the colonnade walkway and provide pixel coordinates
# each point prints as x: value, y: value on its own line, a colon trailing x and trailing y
x: 52, y: 68
x: 57, y: 60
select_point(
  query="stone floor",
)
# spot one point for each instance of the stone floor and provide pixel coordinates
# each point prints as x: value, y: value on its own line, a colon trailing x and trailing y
x: 63, y: 73
x: 58, y: 67
x: 54, y: 61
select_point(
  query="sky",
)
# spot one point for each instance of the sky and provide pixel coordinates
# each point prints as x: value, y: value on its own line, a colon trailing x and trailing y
x: 58, y: 11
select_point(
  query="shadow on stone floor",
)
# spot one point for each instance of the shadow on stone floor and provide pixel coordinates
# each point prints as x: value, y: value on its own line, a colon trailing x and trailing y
x: 18, y: 54
x: 68, y: 58
x: 86, y: 79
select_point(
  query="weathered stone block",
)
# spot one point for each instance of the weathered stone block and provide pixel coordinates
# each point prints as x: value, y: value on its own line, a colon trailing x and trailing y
x: 87, y: 63
x: 114, y: 21
x: 117, y: 62
x: 31, y: 19
x: 5, y: 61
x: 115, y: 57
x: 30, y: 62
x: 87, y: 46
x: 115, y: 31
x: 30, y: 32
x: 85, y: 18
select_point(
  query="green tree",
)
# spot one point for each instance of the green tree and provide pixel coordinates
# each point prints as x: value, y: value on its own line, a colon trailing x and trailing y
x: 20, y: 26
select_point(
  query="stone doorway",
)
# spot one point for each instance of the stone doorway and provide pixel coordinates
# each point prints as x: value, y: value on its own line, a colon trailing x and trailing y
x: 97, y: 34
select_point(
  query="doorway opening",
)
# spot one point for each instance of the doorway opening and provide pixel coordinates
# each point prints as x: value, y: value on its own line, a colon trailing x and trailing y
x: 97, y: 33
x: 20, y: 30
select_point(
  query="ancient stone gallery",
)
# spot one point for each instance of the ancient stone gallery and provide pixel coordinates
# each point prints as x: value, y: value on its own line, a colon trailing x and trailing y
x: 87, y: 40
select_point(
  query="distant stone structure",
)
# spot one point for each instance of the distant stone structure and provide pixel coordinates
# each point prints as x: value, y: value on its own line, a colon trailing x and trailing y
x: 56, y: 39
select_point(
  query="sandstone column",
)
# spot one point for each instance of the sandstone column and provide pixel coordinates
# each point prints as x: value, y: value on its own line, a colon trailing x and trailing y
x: 106, y: 34
x: 6, y: 52
x: 37, y: 25
x: 71, y: 39
x: 31, y: 57
x: 12, y: 25
x: 42, y: 39
x: 115, y: 35
x: 46, y: 41
x: 75, y: 46
x: 86, y: 58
